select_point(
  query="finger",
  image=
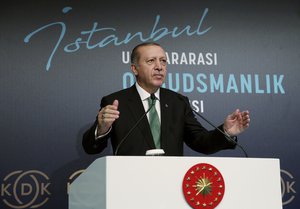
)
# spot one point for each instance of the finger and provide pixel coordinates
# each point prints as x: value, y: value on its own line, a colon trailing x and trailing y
x: 106, y: 119
x: 246, y: 122
x: 116, y: 103
x: 235, y: 114
x: 113, y: 106
x: 245, y: 113
x: 110, y: 116
x: 108, y: 113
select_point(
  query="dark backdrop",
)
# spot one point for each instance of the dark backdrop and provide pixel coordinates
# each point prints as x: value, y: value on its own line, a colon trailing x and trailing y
x: 58, y: 58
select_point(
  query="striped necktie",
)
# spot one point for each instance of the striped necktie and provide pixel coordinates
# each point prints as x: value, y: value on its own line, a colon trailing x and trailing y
x: 154, y: 123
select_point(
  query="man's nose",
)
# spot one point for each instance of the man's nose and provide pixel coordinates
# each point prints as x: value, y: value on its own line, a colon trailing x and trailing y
x: 158, y: 65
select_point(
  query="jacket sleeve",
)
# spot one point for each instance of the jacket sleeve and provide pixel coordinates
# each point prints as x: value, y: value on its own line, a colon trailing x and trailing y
x: 200, y: 139
x: 92, y: 145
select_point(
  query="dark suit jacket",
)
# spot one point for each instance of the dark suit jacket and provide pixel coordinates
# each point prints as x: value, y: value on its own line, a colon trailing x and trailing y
x: 178, y: 126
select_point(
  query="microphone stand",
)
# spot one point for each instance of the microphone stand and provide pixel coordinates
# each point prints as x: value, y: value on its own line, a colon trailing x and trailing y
x: 135, y: 125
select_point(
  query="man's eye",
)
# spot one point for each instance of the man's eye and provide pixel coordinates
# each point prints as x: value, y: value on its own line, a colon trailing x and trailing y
x: 150, y: 61
x: 163, y: 61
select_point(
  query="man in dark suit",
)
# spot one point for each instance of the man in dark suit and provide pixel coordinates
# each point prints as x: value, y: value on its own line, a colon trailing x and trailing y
x: 121, y: 110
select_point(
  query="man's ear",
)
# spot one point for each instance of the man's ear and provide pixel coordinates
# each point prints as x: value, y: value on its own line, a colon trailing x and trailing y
x: 134, y: 69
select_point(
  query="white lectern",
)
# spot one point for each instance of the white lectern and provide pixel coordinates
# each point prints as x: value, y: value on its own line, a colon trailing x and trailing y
x: 117, y: 182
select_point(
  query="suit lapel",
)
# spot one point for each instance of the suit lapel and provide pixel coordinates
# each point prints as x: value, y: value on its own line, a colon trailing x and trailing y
x: 137, y: 110
x: 165, y: 113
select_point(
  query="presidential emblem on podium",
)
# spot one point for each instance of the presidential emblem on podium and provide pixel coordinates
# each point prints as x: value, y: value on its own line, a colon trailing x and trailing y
x: 203, y: 186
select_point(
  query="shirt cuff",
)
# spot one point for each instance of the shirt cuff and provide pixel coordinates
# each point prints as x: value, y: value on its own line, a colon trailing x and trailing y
x: 101, y: 136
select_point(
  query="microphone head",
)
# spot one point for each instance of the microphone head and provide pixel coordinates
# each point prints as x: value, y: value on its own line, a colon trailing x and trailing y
x: 155, y: 152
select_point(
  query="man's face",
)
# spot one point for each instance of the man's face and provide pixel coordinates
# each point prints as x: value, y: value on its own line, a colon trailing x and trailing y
x: 151, y: 68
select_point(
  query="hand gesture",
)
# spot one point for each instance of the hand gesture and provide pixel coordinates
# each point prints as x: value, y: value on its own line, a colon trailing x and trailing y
x: 236, y: 122
x: 106, y: 116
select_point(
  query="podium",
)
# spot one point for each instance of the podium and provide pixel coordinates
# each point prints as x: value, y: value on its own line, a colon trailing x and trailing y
x: 152, y: 182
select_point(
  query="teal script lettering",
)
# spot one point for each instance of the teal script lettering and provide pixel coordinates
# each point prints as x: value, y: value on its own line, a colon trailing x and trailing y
x: 87, y: 38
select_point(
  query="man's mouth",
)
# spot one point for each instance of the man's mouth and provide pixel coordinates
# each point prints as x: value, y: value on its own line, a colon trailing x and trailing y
x: 158, y: 75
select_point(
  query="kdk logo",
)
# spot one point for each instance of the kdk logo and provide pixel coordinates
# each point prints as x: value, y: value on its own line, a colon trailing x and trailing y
x: 25, y: 189
x: 287, y: 187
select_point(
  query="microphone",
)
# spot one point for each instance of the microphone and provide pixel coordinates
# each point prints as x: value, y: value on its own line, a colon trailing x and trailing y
x: 229, y: 138
x: 152, y: 96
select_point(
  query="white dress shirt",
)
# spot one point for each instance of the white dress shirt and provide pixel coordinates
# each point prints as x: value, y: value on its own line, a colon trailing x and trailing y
x: 144, y: 97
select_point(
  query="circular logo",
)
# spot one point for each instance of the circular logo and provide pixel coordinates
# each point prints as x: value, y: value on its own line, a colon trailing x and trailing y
x: 203, y: 186
x: 73, y: 177
x: 288, y: 190
x: 25, y: 189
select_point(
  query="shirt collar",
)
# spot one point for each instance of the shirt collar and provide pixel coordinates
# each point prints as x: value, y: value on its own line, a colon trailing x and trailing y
x: 144, y: 94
